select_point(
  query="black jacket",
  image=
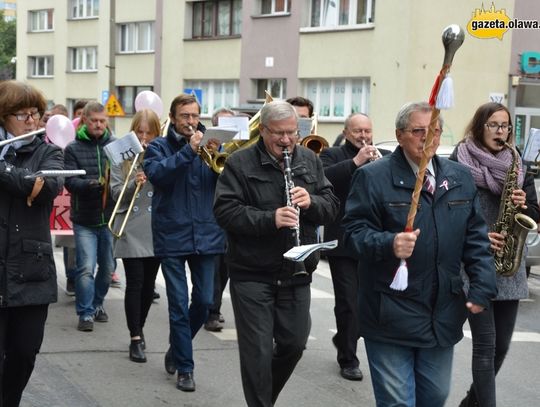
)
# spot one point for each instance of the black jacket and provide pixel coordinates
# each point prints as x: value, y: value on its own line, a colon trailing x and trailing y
x: 339, y: 168
x: 248, y: 192
x: 27, y: 270
x: 91, y: 205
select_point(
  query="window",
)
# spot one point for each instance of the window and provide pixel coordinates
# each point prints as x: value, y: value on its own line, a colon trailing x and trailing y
x: 127, y: 95
x: 275, y: 6
x: 40, y: 67
x: 83, y: 59
x: 276, y: 87
x: 338, y: 98
x: 221, y: 18
x: 41, y: 20
x: 84, y: 8
x: 136, y: 37
x: 333, y: 13
x: 215, y: 94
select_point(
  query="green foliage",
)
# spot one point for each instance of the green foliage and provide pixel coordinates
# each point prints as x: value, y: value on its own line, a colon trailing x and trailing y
x: 8, y: 47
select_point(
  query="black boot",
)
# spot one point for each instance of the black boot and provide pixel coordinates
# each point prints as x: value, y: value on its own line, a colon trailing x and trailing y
x: 469, y: 400
x: 136, y: 352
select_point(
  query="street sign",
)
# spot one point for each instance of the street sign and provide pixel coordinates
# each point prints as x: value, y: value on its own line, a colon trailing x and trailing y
x: 104, y: 97
x: 196, y: 92
x: 113, y: 107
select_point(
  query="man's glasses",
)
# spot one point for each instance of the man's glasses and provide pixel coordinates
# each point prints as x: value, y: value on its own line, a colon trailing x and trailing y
x: 360, y: 131
x: 22, y: 117
x: 281, y: 133
x: 186, y: 116
x: 421, y: 131
x: 495, y: 127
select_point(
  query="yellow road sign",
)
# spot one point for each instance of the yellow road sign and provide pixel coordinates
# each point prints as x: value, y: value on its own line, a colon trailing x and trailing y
x: 113, y: 107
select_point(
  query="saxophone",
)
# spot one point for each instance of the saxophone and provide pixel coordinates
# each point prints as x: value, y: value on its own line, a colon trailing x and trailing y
x: 511, y: 223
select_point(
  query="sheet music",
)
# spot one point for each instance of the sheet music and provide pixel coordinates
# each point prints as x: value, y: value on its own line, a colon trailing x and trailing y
x: 239, y: 122
x: 300, y: 253
x: 533, y: 146
x: 124, y: 148
x: 223, y: 134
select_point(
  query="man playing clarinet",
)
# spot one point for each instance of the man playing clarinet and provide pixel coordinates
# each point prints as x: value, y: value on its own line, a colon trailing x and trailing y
x: 271, y: 295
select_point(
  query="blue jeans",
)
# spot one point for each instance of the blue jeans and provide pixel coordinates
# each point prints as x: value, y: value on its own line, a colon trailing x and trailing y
x: 185, y: 320
x: 94, y: 245
x: 405, y: 376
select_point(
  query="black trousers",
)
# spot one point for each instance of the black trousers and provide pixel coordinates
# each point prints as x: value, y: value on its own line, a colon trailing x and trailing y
x: 21, y: 335
x: 140, y: 278
x: 344, y: 272
x: 221, y: 275
x: 272, y: 324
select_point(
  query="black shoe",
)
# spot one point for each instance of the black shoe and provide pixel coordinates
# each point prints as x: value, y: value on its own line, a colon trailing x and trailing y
x: 136, y: 352
x: 86, y: 324
x: 185, y: 382
x: 213, y: 325
x: 469, y: 400
x: 351, y: 373
x: 100, y: 315
x: 156, y: 295
x: 221, y: 318
x: 170, y: 366
x: 143, y: 342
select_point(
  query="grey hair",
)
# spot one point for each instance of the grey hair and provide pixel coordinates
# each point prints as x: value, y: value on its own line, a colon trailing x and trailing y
x: 404, y: 115
x: 351, y: 116
x: 218, y: 113
x: 277, y: 110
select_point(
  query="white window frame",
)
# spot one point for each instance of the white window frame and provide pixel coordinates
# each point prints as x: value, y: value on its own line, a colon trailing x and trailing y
x: 129, y: 37
x: 273, y: 12
x: 326, y: 22
x: 83, y: 59
x: 210, y: 103
x: 127, y: 96
x: 38, y: 20
x: 38, y: 63
x: 282, y: 94
x: 364, y: 83
x: 82, y: 9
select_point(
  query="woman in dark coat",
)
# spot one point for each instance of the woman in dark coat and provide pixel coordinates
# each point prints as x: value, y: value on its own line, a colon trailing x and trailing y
x: 27, y: 271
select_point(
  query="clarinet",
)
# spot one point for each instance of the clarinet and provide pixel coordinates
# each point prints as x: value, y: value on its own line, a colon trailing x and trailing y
x: 289, y: 184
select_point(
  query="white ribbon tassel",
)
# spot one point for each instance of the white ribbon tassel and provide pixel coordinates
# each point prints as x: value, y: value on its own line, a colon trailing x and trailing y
x: 445, y: 97
x: 399, y: 283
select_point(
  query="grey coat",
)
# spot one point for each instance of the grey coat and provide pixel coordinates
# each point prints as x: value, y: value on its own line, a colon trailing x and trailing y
x: 136, y: 241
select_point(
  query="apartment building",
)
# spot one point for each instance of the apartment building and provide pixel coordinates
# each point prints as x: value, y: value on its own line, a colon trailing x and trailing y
x: 9, y: 7
x: 345, y: 55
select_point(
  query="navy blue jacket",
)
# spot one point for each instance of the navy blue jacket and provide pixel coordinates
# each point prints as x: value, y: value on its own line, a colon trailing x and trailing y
x: 182, y: 219
x: 431, y: 311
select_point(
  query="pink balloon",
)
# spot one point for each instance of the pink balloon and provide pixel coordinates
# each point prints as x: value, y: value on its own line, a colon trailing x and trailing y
x: 149, y: 100
x: 76, y: 122
x: 60, y: 130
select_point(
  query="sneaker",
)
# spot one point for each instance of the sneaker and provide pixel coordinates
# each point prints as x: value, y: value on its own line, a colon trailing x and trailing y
x: 86, y: 324
x: 100, y: 315
x: 70, y: 287
x: 115, y: 280
x: 213, y: 325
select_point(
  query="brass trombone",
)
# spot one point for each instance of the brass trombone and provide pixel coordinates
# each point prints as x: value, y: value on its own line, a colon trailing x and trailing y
x: 120, y: 198
x: 314, y: 142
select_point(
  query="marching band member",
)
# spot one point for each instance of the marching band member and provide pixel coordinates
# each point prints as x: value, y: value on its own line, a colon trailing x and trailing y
x: 410, y: 335
x: 27, y: 271
x: 134, y: 246
x: 184, y: 229
x: 271, y: 305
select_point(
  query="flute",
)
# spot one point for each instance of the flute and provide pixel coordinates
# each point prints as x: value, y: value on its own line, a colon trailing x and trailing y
x: 22, y: 137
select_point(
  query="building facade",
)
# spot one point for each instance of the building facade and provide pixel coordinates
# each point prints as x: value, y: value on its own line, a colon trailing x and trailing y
x: 346, y: 56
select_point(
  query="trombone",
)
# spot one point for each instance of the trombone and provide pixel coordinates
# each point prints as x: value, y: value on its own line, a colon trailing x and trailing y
x: 121, y: 196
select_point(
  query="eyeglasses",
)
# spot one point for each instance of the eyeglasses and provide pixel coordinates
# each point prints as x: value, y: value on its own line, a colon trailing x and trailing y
x: 360, y: 131
x: 281, y: 133
x: 22, y: 117
x: 421, y: 131
x: 186, y: 116
x: 494, y: 127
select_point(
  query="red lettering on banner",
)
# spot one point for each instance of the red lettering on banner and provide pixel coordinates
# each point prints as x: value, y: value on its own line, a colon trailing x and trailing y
x: 59, y: 221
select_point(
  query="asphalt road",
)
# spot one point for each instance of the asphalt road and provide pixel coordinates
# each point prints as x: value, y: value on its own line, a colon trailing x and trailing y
x: 76, y: 369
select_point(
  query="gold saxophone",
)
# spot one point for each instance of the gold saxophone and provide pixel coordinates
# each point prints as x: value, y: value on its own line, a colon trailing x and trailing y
x: 511, y: 223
